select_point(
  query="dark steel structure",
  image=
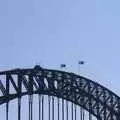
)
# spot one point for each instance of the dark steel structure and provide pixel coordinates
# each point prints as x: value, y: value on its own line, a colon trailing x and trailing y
x: 91, y: 96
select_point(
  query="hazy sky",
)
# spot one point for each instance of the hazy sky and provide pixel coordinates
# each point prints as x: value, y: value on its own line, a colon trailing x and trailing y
x: 51, y: 32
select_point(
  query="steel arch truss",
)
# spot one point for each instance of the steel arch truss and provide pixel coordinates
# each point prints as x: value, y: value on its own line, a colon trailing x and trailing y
x: 96, y: 99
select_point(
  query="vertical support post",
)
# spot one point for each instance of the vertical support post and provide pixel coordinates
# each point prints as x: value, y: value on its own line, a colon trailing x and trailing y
x: 72, y: 110
x: 19, y: 108
x: 63, y: 66
x: 66, y: 110
x: 75, y: 110
x: 7, y: 110
x: 30, y: 106
x: 62, y: 109
x: 52, y: 107
x: 58, y: 109
x: 7, y: 96
x: 30, y: 92
x: 39, y: 97
x: 42, y: 107
x: 49, y: 102
x: 81, y: 114
x: 19, y: 93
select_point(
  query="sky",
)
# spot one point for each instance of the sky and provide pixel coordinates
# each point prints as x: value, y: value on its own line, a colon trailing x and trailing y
x: 52, y: 32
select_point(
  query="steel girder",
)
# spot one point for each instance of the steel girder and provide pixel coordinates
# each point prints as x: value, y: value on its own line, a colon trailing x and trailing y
x: 96, y: 99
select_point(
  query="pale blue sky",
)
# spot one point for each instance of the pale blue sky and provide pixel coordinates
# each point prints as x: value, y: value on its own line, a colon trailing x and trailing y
x: 52, y: 32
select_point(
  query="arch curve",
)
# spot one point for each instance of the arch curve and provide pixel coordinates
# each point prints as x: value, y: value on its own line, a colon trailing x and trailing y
x: 95, y: 98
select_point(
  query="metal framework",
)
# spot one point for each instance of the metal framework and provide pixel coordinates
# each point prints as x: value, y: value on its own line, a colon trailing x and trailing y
x: 93, y: 97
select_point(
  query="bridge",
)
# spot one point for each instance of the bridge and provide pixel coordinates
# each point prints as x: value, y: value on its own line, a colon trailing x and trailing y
x: 61, y: 95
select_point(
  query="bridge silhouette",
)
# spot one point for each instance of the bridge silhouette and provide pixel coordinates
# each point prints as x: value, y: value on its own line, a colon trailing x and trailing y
x: 69, y: 96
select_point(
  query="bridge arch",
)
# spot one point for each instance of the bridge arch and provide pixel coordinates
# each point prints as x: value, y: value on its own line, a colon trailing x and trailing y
x: 95, y: 98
